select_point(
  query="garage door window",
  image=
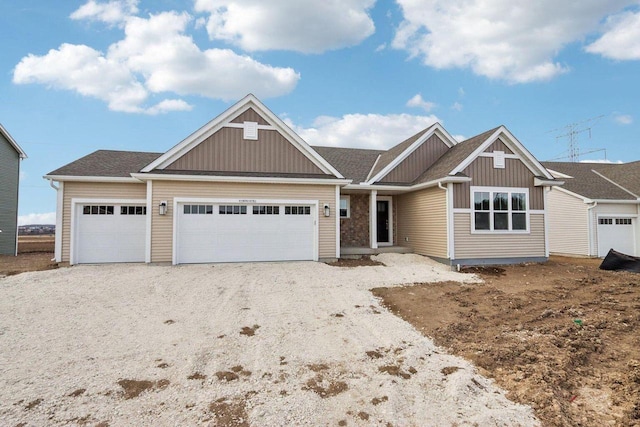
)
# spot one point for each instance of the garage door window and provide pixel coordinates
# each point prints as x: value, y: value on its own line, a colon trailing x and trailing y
x: 623, y: 221
x: 198, y: 209
x: 605, y: 221
x: 133, y: 210
x: 266, y: 210
x: 297, y: 210
x: 232, y: 210
x: 97, y: 210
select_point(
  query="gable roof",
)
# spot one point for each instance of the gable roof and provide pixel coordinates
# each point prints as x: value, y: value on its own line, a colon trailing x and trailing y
x: 599, y: 181
x: 107, y: 163
x: 13, y: 142
x: 249, y: 101
x: 352, y: 163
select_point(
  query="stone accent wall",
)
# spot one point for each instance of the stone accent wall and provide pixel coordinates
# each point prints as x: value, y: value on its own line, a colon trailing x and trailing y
x: 354, y: 231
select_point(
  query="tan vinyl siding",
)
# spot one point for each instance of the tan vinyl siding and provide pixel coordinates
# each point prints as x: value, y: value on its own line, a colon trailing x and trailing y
x: 498, y: 145
x: 494, y: 245
x: 93, y: 190
x: 226, y: 150
x: 482, y: 173
x: 250, y: 116
x: 568, y: 224
x: 162, y: 226
x: 422, y: 217
x: 418, y: 161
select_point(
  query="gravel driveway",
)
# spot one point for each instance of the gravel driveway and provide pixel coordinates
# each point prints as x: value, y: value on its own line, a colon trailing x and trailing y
x: 261, y: 344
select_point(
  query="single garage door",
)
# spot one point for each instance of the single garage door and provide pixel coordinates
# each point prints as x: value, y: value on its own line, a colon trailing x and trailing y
x: 245, y: 232
x: 110, y: 233
x: 616, y: 233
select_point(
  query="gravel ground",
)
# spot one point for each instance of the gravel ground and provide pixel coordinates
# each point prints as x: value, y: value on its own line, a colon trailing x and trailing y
x: 231, y: 345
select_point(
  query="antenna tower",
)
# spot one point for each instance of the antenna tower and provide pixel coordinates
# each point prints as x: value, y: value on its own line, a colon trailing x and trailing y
x: 571, y: 132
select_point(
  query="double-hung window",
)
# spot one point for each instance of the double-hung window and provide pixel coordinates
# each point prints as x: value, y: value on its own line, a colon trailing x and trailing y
x: 500, y: 210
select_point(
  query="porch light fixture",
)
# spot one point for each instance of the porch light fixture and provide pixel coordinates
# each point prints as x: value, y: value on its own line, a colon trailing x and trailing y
x: 162, y: 209
x: 327, y: 210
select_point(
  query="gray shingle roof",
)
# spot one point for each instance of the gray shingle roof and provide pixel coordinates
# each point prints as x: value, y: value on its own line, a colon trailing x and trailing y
x: 452, y: 158
x: 587, y: 183
x: 352, y: 163
x: 107, y: 163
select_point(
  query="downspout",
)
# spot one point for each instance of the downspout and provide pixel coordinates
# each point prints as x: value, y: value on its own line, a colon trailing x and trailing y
x: 449, y: 225
x: 57, y: 256
x: 592, y: 229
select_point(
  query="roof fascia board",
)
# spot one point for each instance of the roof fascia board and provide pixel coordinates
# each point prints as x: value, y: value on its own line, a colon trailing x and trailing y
x: 372, y: 168
x: 445, y: 180
x: 436, y: 128
x: 614, y: 183
x: 246, y: 179
x: 538, y: 182
x: 512, y: 142
x: 559, y: 174
x: 13, y: 142
x: 121, y: 179
x: 249, y: 101
x: 612, y: 201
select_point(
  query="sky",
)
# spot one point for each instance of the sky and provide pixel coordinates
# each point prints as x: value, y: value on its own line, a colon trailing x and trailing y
x: 78, y: 76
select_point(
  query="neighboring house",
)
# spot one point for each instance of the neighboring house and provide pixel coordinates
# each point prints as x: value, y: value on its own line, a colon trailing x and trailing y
x: 10, y: 156
x: 245, y: 187
x: 596, y: 209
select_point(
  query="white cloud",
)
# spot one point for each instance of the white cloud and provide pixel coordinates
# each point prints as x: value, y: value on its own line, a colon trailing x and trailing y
x: 459, y: 138
x: 622, y: 38
x: 623, y: 119
x: 111, y: 12
x: 374, y: 131
x: 156, y: 56
x: 37, y: 218
x: 461, y: 92
x: 307, y: 26
x: 418, y: 102
x: 381, y: 47
x: 513, y: 40
x: 457, y: 106
x: 607, y: 161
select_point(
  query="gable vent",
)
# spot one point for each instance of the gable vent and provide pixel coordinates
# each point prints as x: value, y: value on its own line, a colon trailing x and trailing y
x: 498, y: 159
x: 251, y: 130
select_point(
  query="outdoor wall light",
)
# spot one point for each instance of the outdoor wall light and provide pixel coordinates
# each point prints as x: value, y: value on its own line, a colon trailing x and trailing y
x: 327, y: 210
x: 162, y: 209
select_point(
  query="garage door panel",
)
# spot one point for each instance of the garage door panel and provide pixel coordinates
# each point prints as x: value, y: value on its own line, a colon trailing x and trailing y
x: 102, y: 238
x: 616, y: 233
x: 246, y: 237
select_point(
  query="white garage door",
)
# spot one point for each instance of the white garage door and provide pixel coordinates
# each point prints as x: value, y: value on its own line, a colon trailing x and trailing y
x: 245, y: 232
x: 616, y: 233
x: 109, y: 233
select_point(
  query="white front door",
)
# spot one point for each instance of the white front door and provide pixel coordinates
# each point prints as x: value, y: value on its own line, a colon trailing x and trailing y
x: 238, y: 232
x: 616, y: 233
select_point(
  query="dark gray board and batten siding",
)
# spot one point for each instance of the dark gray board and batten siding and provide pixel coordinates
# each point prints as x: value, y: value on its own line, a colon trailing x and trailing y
x: 9, y: 178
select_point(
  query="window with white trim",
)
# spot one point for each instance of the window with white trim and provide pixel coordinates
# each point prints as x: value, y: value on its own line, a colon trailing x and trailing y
x: 97, y: 210
x: 623, y: 221
x: 297, y: 210
x: 232, y: 210
x: 499, y: 210
x: 345, y: 206
x: 266, y: 210
x: 133, y: 210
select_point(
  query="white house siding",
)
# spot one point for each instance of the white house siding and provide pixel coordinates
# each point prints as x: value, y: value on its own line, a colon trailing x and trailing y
x: 422, y: 221
x: 494, y: 245
x: 93, y: 190
x: 568, y: 224
x: 162, y: 226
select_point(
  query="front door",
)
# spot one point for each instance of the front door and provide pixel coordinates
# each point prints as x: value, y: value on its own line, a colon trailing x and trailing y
x: 383, y: 221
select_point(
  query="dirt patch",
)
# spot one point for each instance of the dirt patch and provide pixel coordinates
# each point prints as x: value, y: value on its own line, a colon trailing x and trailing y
x: 226, y: 376
x: 563, y: 337
x: 37, y: 261
x: 449, y: 370
x: 78, y: 392
x: 325, y: 388
x: 364, y: 261
x: 378, y: 400
x: 133, y: 388
x: 229, y: 413
x: 33, y: 404
x: 39, y: 243
x: 197, y: 376
x: 395, y: 370
x: 249, y: 331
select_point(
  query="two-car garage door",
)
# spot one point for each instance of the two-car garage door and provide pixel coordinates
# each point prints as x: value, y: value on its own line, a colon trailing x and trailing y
x: 236, y: 232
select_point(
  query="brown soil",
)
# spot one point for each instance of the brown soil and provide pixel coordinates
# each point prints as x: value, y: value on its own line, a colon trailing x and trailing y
x: 133, y: 388
x: 34, y: 254
x: 563, y: 337
x: 325, y: 387
x: 364, y: 261
x: 229, y: 413
x: 249, y: 331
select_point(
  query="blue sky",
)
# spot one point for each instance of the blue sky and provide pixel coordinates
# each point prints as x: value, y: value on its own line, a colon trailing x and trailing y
x: 78, y: 76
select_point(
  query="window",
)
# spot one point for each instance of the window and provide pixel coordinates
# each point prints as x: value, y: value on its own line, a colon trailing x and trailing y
x: 133, y: 210
x: 266, y: 210
x: 198, y: 209
x: 232, y: 210
x: 97, y: 210
x: 345, y: 206
x: 623, y: 221
x: 297, y: 210
x: 500, y: 210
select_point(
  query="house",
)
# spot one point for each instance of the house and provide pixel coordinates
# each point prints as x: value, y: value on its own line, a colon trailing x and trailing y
x: 596, y: 209
x: 10, y: 156
x: 245, y: 187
